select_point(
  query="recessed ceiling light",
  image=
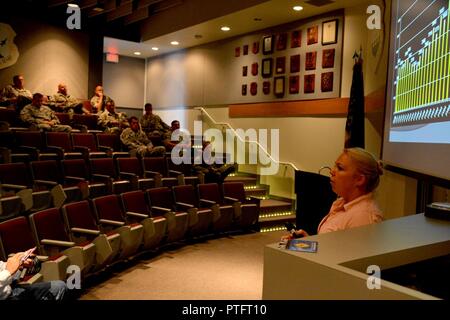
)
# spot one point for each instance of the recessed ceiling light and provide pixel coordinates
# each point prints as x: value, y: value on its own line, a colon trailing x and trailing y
x: 174, y: 43
x: 98, y: 9
x: 155, y: 48
x: 225, y: 28
x: 298, y: 8
x: 73, y: 5
x: 137, y: 53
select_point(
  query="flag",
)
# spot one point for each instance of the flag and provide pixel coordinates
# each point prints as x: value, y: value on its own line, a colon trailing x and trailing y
x: 354, y: 127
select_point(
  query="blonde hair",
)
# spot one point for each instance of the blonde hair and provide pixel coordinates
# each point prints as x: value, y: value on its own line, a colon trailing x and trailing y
x: 367, y: 165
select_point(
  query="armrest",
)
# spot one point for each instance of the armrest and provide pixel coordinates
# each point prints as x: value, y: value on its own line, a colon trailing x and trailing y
x: 81, y: 149
x: 46, y: 183
x: 73, y: 179
x: 127, y: 175
x: 101, y: 177
x: 184, y: 205
x: 152, y: 174
x: 207, y: 203
x: 105, y: 149
x: 59, y: 151
x: 12, y: 186
x: 58, y: 243
x: 86, y: 231
x: 112, y: 222
x: 175, y: 172
x: 137, y: 215
x: 230, y: 199
x: 160, y: 209
x: 28, y: 149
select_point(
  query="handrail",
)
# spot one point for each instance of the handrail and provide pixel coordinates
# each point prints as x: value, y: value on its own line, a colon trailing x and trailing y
x: 201, y: 109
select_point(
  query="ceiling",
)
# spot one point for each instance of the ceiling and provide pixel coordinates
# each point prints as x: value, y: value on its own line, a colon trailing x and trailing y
x: 138, y: 25
x: 257, y: 17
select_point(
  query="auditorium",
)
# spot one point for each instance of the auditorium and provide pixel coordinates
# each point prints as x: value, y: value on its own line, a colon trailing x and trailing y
x: 234, y: 150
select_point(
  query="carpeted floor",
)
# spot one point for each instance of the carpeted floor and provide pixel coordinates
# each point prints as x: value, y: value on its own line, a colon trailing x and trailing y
x: 226, y: 268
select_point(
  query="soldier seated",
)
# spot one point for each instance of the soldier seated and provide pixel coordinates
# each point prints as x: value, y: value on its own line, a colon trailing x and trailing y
x: 42, y: 117
x: 137, y: 141
x: 63, y: 102
x: 112, y: 121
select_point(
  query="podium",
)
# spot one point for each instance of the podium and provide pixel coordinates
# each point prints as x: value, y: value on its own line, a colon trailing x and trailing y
x: 314, y: 199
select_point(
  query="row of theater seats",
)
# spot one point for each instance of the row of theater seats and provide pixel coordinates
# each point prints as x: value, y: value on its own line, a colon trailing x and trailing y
x: 93, y: 234
x: 88, y: 120
x: 28, y: 146
x: 53, y: 182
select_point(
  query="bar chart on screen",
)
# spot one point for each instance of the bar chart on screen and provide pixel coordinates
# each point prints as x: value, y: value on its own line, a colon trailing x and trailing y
x: 420, y: 94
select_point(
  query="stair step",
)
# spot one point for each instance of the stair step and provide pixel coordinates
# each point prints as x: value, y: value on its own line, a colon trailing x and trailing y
x: 272, y: 205
x: 247, y: 180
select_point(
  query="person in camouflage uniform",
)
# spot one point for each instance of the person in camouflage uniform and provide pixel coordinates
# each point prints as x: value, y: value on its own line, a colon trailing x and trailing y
x: 15, y: 96
x: 137, y: 141
x: 112, y: 121
x: 63, y: 102
x: 99, y: 100
x: 156, y: 129
x: 38, y: 115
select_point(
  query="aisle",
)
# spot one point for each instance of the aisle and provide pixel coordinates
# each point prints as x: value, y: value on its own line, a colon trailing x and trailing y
x: 223, y: 268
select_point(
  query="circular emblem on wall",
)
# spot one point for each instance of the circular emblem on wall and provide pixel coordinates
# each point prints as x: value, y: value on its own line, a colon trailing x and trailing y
x: 8, y: 49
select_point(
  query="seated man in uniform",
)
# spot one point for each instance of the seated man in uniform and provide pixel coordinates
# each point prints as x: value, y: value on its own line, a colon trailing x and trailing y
x: 137, y: 141
x: 99, y: 100
x: 38, y: 115
x: 112, y: 121
x: 15, y: 96
x: 63, y: 102
x: 153, y: 126
x: 169, y: 144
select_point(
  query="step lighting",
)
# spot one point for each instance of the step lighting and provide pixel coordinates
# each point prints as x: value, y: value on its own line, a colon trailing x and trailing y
x: 270, y: 229
x: 250, y: 187
x: 276, y: 214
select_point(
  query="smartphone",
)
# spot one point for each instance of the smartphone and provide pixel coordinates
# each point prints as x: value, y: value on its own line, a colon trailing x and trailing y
x: 27, y: 254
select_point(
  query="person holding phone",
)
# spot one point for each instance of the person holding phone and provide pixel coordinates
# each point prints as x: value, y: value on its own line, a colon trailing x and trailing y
x: 11, y: 290
x: 354, y: 178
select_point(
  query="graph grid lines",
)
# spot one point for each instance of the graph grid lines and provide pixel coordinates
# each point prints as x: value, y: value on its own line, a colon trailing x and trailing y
x: 422, y: 79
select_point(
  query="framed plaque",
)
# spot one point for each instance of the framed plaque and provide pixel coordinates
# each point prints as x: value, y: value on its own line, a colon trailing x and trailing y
x: 266, y: 87
x: 329, y: 32
x: 237, y: 52
x: 267, y: 68
x: 255, y: 69
x: 255, y: 48
x: 245, y: 50
x: 309, y: 83
x: 268, y: 44
x: 279, y: 86
x: 295, y: 63
x: 312, y: 35
x: 296, y: 38
x: 280, y: 65
x: 294, y: 84
x: 328, y: 58
x: 282, y: 41
x: 326, y: 82
x: 310, y: 61
x: 244, y: 71
x: 253, y: 88
x: 244, y: 90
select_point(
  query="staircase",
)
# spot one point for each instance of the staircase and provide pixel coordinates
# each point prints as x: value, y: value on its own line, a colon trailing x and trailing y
x: 274, y: 211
